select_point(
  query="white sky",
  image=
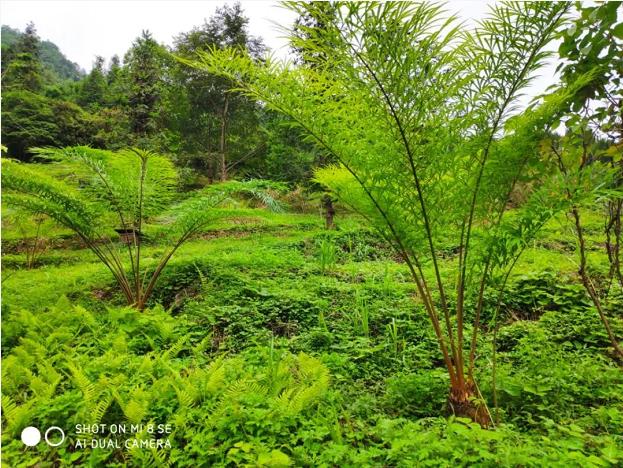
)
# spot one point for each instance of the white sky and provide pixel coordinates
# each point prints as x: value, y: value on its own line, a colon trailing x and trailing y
x: 86, y: 28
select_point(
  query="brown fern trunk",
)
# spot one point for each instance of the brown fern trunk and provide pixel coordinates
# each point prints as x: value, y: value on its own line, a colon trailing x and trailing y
x: 329, y: 210
x: 463, y: 402
x: 588, y: 285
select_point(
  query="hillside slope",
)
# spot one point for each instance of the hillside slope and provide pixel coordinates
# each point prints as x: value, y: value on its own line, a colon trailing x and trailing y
x: 51, y: 56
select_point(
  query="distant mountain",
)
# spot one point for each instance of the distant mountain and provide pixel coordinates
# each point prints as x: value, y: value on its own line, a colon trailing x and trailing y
x: 51, y: 56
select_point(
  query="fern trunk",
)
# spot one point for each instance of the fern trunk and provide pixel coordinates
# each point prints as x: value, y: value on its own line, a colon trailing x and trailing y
x: 464, y: 402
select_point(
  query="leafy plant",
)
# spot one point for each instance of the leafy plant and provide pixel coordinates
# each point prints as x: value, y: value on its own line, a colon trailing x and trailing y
x: 589, y: 154
x: 118, y: 191
x: 361, y: 315
x: 327, y: 255
x: 33, y: 230
x: 90, y: 373
x: 416, y: 395
x: 416, y: 110
x: 394, y: 337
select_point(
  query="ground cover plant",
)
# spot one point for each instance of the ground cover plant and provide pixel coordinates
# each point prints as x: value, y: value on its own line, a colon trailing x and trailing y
x: 456, y: 302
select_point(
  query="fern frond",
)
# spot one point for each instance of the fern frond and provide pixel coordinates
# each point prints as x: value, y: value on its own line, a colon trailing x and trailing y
x: 184, y: 398
x: 97, y: 411
x: 136, y: 407
x: 83, y: 383
x: 17, y: 416
x: 174, y: 350
x: 216, y: 379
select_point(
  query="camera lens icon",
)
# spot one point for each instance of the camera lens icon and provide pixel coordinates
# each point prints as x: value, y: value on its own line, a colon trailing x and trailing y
x: 49, y: 442
x: 31, y: 436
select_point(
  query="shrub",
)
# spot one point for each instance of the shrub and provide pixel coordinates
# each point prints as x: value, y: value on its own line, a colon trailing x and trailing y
x: 417, y: 395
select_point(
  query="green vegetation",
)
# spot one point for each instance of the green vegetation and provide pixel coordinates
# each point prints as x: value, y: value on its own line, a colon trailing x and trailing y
x: 248, y: 300
x: 55, y: 64
x: 130, y: 187
x: 371, y: 256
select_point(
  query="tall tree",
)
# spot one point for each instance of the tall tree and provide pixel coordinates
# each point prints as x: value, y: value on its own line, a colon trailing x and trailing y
x: 316, y: 15
x: 56, y: 66
x: 116, y: 84
x: 219, y: 129
x: 113, y: 70
x: 93, y: 90
x: 145, y: 76
x: 31, y: 120
x: 592, y: 50
x: 24, y: 70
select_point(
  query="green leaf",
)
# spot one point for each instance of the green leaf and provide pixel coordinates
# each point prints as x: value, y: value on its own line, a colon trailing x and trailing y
x: 275, y: 458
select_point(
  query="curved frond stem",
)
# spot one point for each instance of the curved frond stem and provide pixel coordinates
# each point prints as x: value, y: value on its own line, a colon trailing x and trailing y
x: 121, y: 276
x: 429, y: 236
x: 403, y: 251
x: 138, y: 222
x: 484, y: 278
x: 466, y: 231
x: 156, y: 274
x: 124, y: 225
x: 110, y: 265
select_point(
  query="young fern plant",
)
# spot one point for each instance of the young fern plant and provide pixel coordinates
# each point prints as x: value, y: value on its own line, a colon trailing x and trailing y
x: 416, y: 110
x: 107, y: 197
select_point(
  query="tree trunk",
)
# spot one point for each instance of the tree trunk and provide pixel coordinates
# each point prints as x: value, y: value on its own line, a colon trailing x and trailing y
x: 584, y: 276
x: 588, y: 285
x: 464, y: 402
x: 222, y: 148
x: 209, y: 160
x: 329, y: 211
x: 613, y: 246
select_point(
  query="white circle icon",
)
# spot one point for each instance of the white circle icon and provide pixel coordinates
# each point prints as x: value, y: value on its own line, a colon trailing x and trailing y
x: 31, y: 436
x: 48, y: 431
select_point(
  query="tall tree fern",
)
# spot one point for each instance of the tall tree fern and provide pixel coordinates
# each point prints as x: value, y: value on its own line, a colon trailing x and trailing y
x: 415, y: 108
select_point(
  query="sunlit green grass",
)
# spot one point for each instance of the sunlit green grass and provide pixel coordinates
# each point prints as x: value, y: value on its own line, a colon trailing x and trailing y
x: 266, y: 247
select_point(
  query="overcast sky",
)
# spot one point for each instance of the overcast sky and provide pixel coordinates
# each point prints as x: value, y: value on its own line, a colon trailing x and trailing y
x: 86, y: 28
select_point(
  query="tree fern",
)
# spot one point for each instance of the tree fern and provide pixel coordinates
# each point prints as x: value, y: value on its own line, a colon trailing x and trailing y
x: 120, y: 191
x: 413, y: 107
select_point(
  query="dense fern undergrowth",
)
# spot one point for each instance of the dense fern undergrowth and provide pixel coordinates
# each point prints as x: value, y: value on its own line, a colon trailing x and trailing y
x: 272, y: 342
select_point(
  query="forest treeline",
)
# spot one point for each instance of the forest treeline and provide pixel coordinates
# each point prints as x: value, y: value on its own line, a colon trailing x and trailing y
x: 149, y: 99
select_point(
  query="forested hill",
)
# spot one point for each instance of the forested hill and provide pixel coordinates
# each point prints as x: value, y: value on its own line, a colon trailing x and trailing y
x: 51, y: 56
x: 148, y: 99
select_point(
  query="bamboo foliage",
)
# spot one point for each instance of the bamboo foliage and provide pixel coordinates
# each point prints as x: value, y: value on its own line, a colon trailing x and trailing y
x: 416, y: 109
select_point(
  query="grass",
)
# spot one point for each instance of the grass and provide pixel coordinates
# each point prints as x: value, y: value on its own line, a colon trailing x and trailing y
x: 252, y: 318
